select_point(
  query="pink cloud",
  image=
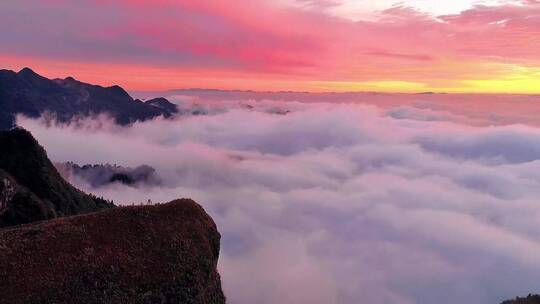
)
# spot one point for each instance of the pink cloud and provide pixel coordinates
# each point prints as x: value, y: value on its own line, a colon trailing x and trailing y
x: 420, y: 57
x: 263, y: 39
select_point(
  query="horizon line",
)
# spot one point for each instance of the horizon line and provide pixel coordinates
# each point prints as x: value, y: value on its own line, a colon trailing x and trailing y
x: 428, y: 92
x: 334, y: 92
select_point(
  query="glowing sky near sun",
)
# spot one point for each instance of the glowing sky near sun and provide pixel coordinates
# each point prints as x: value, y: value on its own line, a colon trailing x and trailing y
x: 302, y: 45
x: 369, y: 10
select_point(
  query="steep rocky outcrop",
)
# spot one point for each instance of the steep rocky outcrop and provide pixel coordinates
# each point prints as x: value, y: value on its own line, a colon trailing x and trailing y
x: 28, y: 93
x: 530, y: 299
x: 148, y: 254
x: 78, y: 249
x: 31, y: 189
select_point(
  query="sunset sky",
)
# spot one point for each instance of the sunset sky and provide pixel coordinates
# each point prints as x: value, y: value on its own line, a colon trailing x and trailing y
x: 300, y: 45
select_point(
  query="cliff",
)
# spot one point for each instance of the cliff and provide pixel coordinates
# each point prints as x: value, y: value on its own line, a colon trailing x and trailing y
x: 78, y: 249
x: 149, y: 254
x: 31, y: 189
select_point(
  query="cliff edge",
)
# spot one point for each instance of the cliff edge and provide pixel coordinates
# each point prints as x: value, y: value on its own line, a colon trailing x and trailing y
x: 147, y: 254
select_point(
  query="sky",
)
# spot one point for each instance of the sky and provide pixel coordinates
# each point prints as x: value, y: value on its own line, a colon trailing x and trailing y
x: 490, y: 46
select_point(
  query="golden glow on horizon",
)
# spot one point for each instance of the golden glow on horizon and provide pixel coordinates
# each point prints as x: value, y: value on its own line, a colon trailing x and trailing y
x: 519, y: 80
x: 508, y: 79
x: 394, y: 86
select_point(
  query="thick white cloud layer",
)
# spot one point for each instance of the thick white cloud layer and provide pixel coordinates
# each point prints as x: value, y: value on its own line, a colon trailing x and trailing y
x: 340, y: 203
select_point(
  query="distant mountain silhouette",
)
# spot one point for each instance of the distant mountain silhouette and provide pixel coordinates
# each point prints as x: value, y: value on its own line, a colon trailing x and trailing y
x: 30, y: 94
x: 105, y: 174
x: 162, y: 103
x: 31, y: 189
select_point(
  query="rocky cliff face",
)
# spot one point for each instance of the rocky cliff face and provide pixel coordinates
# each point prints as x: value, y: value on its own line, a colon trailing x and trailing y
x: 31, y: 189
x: 149, y: 254
x: 18, y: 205
x: 7, y: 191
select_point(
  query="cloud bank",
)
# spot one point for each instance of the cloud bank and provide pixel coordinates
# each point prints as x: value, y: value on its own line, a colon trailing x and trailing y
x: 339, y: 203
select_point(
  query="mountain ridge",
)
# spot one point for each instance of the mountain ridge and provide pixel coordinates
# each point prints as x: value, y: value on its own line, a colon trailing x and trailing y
x: 28, y: 93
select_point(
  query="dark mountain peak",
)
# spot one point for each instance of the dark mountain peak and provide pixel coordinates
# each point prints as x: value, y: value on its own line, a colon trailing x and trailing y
x: 29, y: 74
x: 42, y: 192
x: 27, y: 71
x: 19, y: 139
x: 7, y: 72
x: 163, y: 104
x: 119, y: 90
x: 70, y: 83
x: 29, y: 79
x: 28, y: 93
x: 158, y: 100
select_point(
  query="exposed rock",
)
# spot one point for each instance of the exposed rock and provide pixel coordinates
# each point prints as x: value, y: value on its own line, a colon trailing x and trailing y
x: 7, y: 191
x: 148, y: 254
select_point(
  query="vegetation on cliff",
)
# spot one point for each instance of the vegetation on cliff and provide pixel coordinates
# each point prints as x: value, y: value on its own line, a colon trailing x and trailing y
x: 31, y: 188
x: 530, y: 299
x: 147, y: 254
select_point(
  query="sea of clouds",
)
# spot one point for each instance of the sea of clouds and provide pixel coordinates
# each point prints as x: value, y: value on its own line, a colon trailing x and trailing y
x: 338, y: 203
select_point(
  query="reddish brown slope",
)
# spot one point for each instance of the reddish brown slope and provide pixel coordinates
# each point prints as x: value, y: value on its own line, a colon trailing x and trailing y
x: 149, y: 254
